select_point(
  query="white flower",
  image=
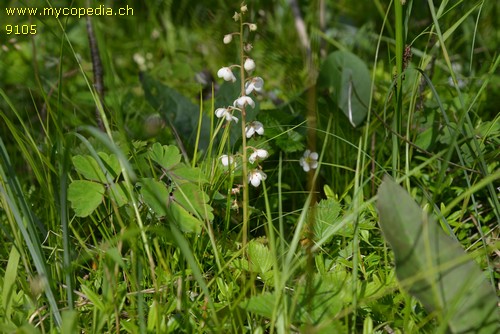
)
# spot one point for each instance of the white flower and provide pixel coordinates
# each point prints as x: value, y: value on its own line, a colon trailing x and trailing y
x: 226, y: 160
x: 243, y: 8
x: 255, y: 84
x: 309, y: 160
x: 226, y: 74
x: 254, y: 127
x: 243, y: 101
x: 227, y: 38
x: 249, y: 65
x: 252, y: 26
x: 256, y: 176
x: 223, y: 112
x: 258, y: 154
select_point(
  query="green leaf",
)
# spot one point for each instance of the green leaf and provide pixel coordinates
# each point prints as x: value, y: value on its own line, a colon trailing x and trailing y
x: 155, y: 195
x: 348, y: 77
x: 111, y: 163
x: 194, y: 200
x: 187, y: 173
x: 85, y: 196
x: 89, y: 168
x: 9, y: 282
x: 178, y: 110
x: 326, y: 217
x: 166, y: 156
x: 260, y: 256
x: 186, y: 222
x: 118, y: 193
x: 261, y: 304
x: 434, y: 267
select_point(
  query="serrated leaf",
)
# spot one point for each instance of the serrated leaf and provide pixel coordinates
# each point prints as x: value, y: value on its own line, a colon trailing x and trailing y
x: 349, y: 78
x: 166, y: 156
x: 260, y: 257
x: 194, y: 200
x: 326, y: 216
x: 434, y: 267
x: 155, y: 195
x: 85, y: 196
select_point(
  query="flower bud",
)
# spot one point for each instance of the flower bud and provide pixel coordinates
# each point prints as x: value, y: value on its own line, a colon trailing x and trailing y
x: 249, y: 65
x: 228, y: 38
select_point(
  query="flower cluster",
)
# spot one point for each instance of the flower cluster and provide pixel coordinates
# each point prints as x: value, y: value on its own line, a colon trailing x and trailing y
x: 252, y: 85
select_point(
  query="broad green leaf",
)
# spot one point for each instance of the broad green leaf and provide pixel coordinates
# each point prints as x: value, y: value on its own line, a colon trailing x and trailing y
x: 260, y: 256
x: 111, y: 163
x: 261, y: 304
x: 166, y: 156
x: 434, y: 267
x: 186, y: 222
x: 156, y: 195
x: 177, y: 109
x: 187, y: 173
x: 348, y: 77
x: 88, y: 167
x: 85, y: 196
x: 326, y: 217
x: 194, y: 200
x: 118, y: 193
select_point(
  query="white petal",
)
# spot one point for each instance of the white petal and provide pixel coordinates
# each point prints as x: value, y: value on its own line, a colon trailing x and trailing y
x: 226, y: 74
x: 314, y: 156
x: 262, y: 153
x: 249, y: 65
x: 249, y: 130
x: 220, y: 112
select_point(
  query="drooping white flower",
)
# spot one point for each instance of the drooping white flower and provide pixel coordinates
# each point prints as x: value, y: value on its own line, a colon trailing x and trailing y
x: 256, y: 176
x: 252, y: 26
x: 249, y: 65
x: 243, y: 101
x: 254, y: 127
x: 243, y: 8
x: 226, y: 160
x: 309, y: 160
x: 258, y: 154
x: 255, y: 84
x: 227, y: 38
x: 226, y: 74
x: 223, y: 112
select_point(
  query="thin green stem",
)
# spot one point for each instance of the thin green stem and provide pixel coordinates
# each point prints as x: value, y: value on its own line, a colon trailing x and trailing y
x: 244, y: 142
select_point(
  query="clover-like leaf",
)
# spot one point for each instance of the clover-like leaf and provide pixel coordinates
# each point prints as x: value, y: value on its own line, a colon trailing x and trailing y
x: 85, y: 196
x: 166, y: 156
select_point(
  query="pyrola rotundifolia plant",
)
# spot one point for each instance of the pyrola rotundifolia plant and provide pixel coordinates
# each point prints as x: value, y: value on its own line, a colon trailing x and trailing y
x: 252, y: 173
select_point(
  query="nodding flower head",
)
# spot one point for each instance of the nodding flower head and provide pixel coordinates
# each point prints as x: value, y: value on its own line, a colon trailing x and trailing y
x: 309, y: 160
x: 249, y: 65
x: 223, y: 112
x: 227, y: 38
x: 252, y: 26
x: 254, y: 127
x: 256, y: 176
x: 226, y: 160
x: 255, y: 84
x: 243, y: 101
x: 258, y: 154
x: 226, y: 74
